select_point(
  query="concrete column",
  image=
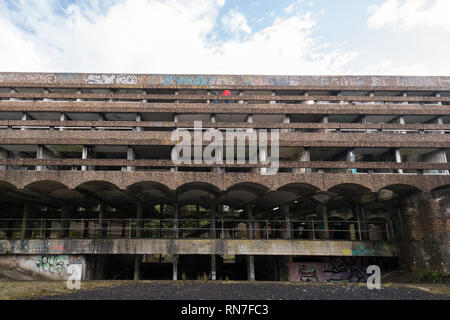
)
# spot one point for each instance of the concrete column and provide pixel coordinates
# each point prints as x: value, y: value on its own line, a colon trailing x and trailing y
x: 176, y: 214
x: 3, y: 155
x: 351, y: 158
x: 175, y: 119
x: 404, y: 94
x: 62, y: 117
x: 14, y: 91
x: 438, y: 156
x: 175, y: 267
x: 241, y: 94
x: 131, y: 155
x: 213, y: 235
x: 43, y: 153
x: 208, y: 93
x: 25, y: 117
x: 65, y: 222
x: 303, y: 155
x: 440, y: 121
x: 213, y: 211
x: 101, y: 223
x: 138, y: 119
x: 286, y: 119
x: 324, y: 213
x: 139, y: 217
x: 213, y: 267
x: 438, y: 95
x: 400, y: 120
x: 26, y: 217
x: 251, y: 268
x: 87, y: 153
x: 287, y: 233
x: 251, y: 223
x: 398, y: 158
x: 249, y: 120
x: 137, y: 267
x: 79, y: 92
x: 273, y: 94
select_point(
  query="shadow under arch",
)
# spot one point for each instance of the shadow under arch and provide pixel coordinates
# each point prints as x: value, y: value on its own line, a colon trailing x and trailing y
x: 96, y: 185
x: 46, y: 186
x: 349, y: 189
x: 401, y: 188
x: 199, y: 193
x: 441, y: 187
x: 240, y: 194
x: 299, y: 188
x: 6, y: 186
x: 151, y: 193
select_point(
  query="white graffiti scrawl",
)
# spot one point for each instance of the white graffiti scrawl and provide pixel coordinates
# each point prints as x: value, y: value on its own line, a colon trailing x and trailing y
x: 110, y: 79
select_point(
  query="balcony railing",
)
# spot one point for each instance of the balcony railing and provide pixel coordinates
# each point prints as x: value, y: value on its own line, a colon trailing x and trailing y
x: 308, y: 229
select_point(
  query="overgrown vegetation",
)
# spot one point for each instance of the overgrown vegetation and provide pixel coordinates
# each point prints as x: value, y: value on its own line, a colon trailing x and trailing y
x: 433, y: 276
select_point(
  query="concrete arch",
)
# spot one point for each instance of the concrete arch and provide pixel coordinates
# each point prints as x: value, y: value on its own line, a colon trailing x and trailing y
x: 6, y: 185
x: 349, y: 189
x: 46, y: 186
x: 441, y: 187
x: 313, y: 179
x: 242, y: 193
x: 199, y: 193
x: 402, y: 188
x: 299, y: 188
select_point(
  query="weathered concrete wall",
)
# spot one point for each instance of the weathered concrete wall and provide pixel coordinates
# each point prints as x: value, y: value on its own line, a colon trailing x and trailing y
x: 200, y: 246
x: 55, y: 267
x: 426, y: 227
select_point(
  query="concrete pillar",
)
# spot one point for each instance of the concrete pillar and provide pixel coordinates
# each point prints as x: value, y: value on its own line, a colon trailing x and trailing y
x: 65, y: 222
x: 213, y: 211
x: 176, y: 213
x: 26, y: 221
x: 263, y: 159
x: 273, y: 94
x: 131, y: 155
x: 213, y: 267
x: 87, y: 153
x: 438, y: 156
x: 137, y: 267
x: 241, y: 94
x: 139, y: 219
x: 404, y: 94
x: 251, y: 223
x: 101, y: 222
x: 175, y: 267
x: 249, y: 120
x: 440, y: 121
x: 351, y: 157
x: 14, y: 91
x: 4, y: 155
x: 398, y: 158
x: 286, y: 119
x: 43, y: 153
x: 251, y: 268
x: 324, y: 213
x: 287, y: 233
x: 79, y: 92
x: 138, y: 119
x: 438, y: 95
x: 25, y: 117
x: 303, y: 155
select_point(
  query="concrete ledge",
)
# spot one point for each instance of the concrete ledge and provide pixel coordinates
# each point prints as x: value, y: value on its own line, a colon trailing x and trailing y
x: 200, y: 246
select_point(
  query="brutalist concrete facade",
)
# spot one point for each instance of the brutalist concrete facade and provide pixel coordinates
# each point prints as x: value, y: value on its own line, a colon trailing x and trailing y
x: 86, y: 169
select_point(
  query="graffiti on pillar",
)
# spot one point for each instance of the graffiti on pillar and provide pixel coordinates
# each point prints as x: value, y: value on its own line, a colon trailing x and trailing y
x: 336, y: 270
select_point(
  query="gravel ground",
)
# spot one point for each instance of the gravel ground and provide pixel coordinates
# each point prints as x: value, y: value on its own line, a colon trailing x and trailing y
x: 246, y: 291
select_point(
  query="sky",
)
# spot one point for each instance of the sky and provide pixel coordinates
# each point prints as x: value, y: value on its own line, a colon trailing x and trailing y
x: 283, y: 37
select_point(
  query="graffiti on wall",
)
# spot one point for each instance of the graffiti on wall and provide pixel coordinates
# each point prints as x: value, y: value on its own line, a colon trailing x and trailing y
x: 336, y: 270
x: 52, y: 264
x: 223, y: 80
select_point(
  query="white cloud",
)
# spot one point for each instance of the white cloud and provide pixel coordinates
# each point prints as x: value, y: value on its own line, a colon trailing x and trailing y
x: 236, y: 22
x: 406, y: 14
x: 171, y: 36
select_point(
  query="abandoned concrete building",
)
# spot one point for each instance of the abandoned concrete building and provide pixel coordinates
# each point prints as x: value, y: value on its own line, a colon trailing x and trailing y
x: 89, y: 186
